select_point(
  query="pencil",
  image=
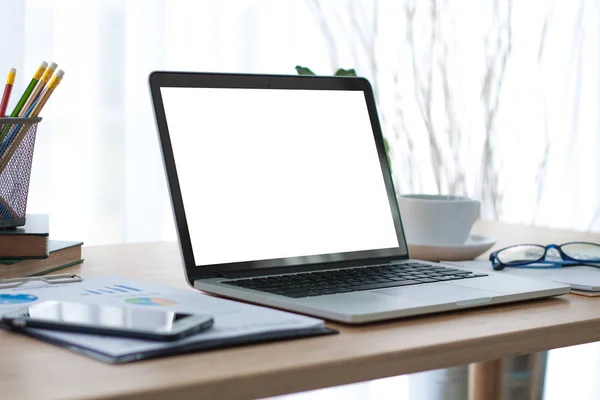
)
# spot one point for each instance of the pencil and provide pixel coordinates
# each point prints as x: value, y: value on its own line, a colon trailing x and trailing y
x: 38, y: 88
x: 26, y: 94
x: 10, y: 145
x: 41, y: 102
x: 10, y: 81
x: 30, y: 87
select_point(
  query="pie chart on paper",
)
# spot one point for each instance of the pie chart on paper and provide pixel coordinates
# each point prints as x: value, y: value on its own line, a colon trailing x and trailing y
x: 17, y: 298
x: 150, y: 301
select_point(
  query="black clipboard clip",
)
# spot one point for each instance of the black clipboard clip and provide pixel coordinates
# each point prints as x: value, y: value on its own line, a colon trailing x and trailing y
x: 48, y: 279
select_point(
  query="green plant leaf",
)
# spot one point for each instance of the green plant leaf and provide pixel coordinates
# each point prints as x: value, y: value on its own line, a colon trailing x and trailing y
x: 303, y: 70
x: 345, y: 72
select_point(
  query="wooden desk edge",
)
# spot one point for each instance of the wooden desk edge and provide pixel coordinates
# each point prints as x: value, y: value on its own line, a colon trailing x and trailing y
x: 342, y: 372
x: 245, y: 383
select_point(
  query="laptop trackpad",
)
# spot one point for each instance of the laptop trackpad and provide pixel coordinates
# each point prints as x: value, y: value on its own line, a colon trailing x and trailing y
x: 440, y: 294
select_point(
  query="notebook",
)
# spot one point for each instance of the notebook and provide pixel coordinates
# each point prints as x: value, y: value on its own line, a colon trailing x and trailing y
x: 27, y: 241
x: 62, y: 254
x: 235, y: 323
x: 579, y: 278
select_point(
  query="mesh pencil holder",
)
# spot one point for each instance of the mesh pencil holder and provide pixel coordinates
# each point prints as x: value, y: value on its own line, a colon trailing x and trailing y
x: 16, y: 155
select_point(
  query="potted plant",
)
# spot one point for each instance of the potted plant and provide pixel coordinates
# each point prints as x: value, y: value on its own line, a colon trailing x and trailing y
x: 344, y: 72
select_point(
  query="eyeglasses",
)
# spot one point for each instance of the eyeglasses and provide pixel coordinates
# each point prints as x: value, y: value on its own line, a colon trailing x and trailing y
x: 551, y: 256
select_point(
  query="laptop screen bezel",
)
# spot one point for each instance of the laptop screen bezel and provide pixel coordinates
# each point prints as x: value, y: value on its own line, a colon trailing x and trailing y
x: 164, y: 79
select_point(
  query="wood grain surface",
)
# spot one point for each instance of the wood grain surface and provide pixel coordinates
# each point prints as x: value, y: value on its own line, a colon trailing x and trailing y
x: 31, y: 369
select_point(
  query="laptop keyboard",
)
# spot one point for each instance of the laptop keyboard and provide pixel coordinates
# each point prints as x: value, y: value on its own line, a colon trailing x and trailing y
x: 353, y: 279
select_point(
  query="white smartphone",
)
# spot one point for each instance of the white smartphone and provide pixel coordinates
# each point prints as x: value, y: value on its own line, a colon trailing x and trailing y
x: 138, y: 323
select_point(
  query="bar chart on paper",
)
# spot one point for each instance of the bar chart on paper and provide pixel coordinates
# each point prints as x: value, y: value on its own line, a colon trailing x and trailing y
x: 110, y: 289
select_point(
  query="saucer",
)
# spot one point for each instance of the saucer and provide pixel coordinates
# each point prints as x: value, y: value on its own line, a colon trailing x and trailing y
x: 474, y: 246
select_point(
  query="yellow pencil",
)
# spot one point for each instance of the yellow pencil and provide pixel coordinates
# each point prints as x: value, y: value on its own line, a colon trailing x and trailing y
x: 38, y: 88
x: 36, y: 109
x: 41, y: 102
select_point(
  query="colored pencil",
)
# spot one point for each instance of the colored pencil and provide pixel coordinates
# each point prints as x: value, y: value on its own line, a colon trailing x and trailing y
x: 10, y: 81
x: 25, y: 96
x: 41, y: 102
x: 36, y: 77
x: 38, y: 88
x: 17, y: 134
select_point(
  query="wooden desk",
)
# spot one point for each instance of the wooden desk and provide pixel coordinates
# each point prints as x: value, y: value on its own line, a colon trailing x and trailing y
x: 31, y: 369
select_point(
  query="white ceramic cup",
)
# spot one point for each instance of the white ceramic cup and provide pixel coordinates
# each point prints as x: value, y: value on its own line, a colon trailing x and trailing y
x: 437, y: 219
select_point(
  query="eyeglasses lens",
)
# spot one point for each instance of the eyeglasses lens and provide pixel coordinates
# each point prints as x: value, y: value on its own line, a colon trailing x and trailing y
x: 582, y: 251
x: 520, y: 254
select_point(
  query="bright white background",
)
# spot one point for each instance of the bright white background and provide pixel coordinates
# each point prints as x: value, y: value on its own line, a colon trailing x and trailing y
x: 505, y: 89
x: 277, y: 173
x: 97, y: 168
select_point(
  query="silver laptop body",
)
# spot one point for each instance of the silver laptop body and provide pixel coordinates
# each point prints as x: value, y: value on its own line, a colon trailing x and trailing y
x: 282, y: 196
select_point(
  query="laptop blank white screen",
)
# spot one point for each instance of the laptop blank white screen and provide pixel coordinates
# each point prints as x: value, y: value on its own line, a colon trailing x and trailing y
x: 268, y: 174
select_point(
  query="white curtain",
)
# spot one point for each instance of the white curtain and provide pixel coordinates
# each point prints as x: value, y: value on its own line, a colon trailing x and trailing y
x: 496, y: 100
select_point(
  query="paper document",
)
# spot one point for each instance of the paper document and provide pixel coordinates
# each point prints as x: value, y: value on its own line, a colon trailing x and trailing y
x: 581, y: 278
x: 231, y: 319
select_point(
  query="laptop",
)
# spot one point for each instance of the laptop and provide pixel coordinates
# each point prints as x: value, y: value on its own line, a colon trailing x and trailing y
x: 282, y: 196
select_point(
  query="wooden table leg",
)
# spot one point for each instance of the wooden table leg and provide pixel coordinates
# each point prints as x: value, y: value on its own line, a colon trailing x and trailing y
x: 485, y: 380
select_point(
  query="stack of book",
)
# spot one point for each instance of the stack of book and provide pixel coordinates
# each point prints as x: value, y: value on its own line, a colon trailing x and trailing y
x: 29, y: 251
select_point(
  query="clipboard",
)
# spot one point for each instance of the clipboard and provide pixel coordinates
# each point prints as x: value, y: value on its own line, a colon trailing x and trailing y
x: 236, y: 323
x: 55, y: 279
x: 46, y: 279
x: 176, y: 348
